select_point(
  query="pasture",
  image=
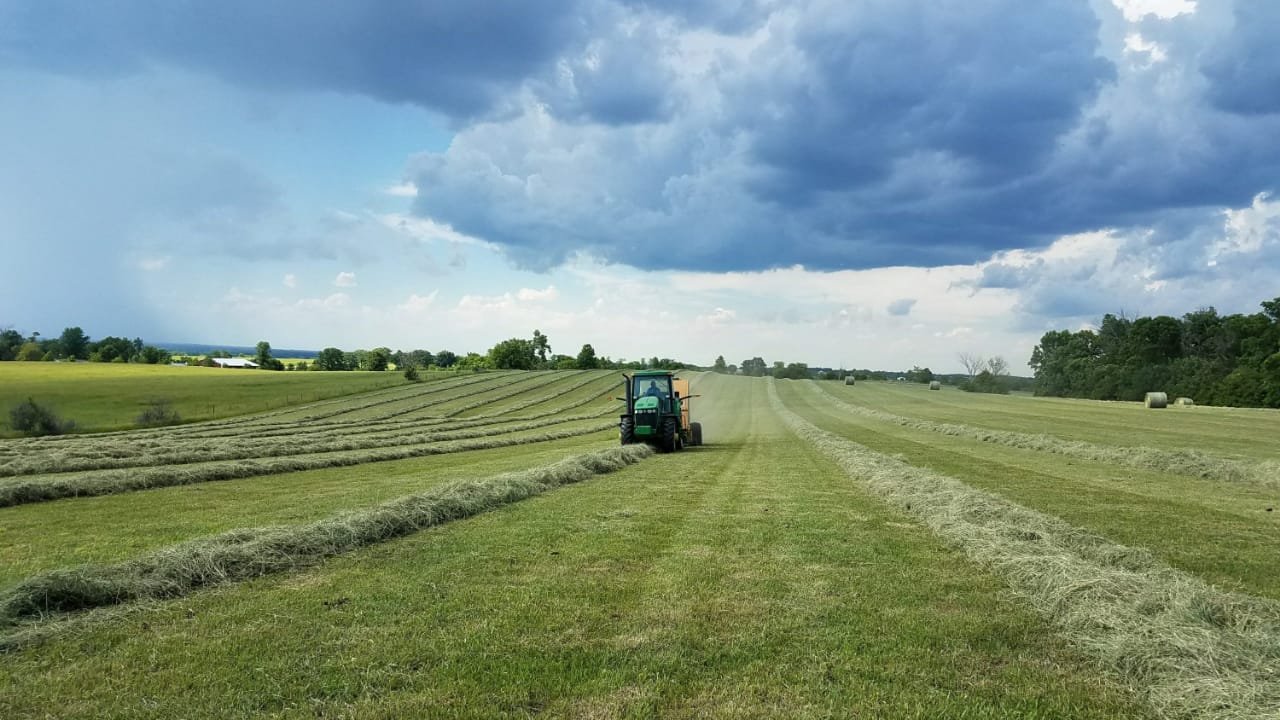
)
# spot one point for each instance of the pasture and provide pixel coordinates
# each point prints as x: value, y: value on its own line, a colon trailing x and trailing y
x: 108, y: 396
x: 478, y: 546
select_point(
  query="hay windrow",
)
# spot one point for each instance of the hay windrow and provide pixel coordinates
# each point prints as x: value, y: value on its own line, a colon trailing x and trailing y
x: 1190, y: 463
x: 1191, y: 650
x: 248, y: 553
x: 29, y: 490
x: 182, y: 452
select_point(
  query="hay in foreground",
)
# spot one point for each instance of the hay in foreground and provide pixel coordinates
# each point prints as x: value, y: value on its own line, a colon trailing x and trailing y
x: 107, y: 482
x: 243, y: 554
x: 1191, y: 650
x: 1156, y: 400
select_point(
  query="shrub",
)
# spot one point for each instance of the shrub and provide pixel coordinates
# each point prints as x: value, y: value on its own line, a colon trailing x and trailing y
x: 158, y: 412
x: 411, y: 374
x: 34, y: 419
x: 986, y: 382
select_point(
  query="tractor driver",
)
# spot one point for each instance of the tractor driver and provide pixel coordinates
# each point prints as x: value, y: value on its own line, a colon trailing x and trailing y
x: 653, y: 390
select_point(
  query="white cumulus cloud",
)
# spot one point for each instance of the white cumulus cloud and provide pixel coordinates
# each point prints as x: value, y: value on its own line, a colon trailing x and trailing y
x: 419, y: 303
x: 405, y: 189
x: 345, y: 279
x: 545, y: 295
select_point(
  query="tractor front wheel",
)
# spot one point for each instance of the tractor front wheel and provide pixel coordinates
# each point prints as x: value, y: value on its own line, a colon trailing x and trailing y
x: 627, y: 431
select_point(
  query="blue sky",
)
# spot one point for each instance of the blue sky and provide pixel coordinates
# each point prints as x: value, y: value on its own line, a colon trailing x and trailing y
x: 867, y: 183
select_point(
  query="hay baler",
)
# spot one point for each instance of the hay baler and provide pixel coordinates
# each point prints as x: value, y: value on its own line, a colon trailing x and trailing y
x: 658, y: 411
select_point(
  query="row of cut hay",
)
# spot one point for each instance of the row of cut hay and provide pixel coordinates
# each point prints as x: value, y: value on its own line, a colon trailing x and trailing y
x: 411, y: 404
x: 504, y: 414
x: 605, y: 396
x: 243, y: 554
x: 237, y: 425
x: 191, y: 451
x: 497, y: 395
x: 196, y: 453
x: 1191, y: 463
x: 1193, y: 651
x: 315, y: 415
x: 32, y: 458
x: 331, y: 406
x: 30, y: 490
x: 509, y: 384
x: 134, y: 443
x: 125, y: 451
x: 398, y: 419
x: 565, y: 385
x: 405, y: 420
x: 122, y: 453
x: 275, y: 417
x: 319, y: 411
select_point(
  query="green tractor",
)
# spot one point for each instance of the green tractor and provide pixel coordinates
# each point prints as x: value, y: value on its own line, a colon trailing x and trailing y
x: 658, y: 411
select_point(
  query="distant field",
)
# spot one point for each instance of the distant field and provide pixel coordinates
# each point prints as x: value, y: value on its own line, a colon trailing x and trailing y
x: 108, y: 396
x: 870, y: 551
x: 1244, y: 432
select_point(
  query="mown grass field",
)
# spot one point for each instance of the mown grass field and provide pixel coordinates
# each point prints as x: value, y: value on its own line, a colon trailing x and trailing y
x: 106, y: 396
x: 818, y: 557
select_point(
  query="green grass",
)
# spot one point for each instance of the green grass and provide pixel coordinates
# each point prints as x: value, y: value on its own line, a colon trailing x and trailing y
x: 247, y: 553
x: 1218, y: 531
x: 107, y: 396
x: 1245, y: 433
x: 748, y: 578
x: 759, y: 576
x: 40, y: 537
x: 1189, y: 649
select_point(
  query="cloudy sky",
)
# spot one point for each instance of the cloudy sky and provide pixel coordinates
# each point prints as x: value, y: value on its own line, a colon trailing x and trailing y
x: 861, y: 183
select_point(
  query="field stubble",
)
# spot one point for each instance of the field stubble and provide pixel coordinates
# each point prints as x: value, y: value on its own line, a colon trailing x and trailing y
x: 1192, y: 650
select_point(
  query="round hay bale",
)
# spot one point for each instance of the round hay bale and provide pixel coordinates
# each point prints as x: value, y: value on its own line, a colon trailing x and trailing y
x: 848, y: 380
x: 935, y: 385
x: 1157, y: 400
x: 1184, y: 402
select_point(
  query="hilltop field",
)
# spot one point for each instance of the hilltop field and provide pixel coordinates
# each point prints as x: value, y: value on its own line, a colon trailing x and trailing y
x: 478, y: 545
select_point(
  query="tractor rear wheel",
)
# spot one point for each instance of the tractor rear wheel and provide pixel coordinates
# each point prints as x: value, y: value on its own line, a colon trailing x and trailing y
x: 627, y: 431
x: 695, y: 434
x: 670, y: 435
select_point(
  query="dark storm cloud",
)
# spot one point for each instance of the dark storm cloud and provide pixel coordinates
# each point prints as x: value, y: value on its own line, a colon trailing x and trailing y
x: 855, y: 134
x: 456, y: 57
x: 990, y: 85
x: 743, y: 134
x: 722, y: 15
x: 1244, y: 70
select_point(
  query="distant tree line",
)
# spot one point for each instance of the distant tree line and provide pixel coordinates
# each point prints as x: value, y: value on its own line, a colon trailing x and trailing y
x: 74, y: 344
x: 1215, y: 359
x: 532, y: 353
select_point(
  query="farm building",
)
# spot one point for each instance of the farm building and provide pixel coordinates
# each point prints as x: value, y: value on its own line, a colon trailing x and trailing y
x: 234, y: 363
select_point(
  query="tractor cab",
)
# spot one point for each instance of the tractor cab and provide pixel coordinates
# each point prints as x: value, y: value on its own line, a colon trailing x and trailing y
x: 652, y: 391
